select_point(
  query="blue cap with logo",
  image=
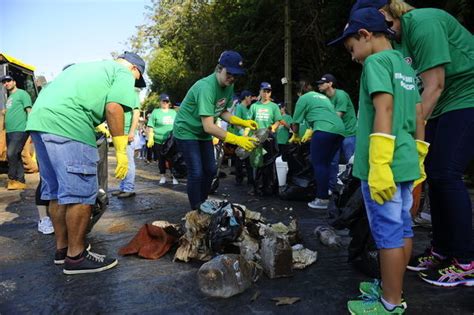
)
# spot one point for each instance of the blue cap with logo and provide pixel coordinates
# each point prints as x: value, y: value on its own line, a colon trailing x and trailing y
x: 360, y: 4
x: 265, y: 86
x: 366, y: 18
x: 6, y: 78
x: 164, y: 97
x: 327, y: 78
x: 232, y: 61
x: 138, y: 62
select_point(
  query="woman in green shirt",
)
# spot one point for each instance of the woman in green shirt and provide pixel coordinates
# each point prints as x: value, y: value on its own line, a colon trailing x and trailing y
x: 441, y: 51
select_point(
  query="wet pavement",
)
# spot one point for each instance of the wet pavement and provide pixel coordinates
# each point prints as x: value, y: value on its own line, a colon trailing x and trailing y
x: 31, y: 283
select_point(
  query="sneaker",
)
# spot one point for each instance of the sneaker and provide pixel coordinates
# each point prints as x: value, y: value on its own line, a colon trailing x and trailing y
x: 425, y: 261
x: 88, y: 263
x: 117, y: 192
x: 319, y: 203
x: 162, y: 180
x: 210, y: 206
x: 374, y: 290
x: 175, y: 181
x: 450, y: 276
x: 45, y: 226
x: 60, y: 255
x: 422, y: 219
x: 126, y: 194
x: 371, y: 306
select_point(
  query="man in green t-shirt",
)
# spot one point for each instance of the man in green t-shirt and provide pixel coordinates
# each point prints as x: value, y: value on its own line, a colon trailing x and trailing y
x: 62, y: 124
x: 344, y: 109
x: 17, y: 108
x: 283, y: 131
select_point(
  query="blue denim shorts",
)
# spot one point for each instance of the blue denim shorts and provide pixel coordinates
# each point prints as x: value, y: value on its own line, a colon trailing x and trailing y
x: 68, y: 169
x: 391, y: 222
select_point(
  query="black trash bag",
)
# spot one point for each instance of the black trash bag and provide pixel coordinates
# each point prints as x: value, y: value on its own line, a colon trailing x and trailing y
x: 298, y: 188
x: 170, y: 152
x: 225, y: 227
x: 266, y: 180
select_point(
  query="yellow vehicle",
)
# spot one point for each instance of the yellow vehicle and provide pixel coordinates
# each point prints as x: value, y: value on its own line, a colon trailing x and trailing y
x: 25, y: 79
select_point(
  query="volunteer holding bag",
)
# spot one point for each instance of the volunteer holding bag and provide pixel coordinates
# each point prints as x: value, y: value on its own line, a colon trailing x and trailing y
x: 195, y: 125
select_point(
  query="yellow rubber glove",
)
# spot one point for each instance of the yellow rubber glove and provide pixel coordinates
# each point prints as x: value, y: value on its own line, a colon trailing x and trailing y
x: 294, y: 139
x: 381, y: 183
x: 102, y: 129
x: 307, y: 135
x: 422, y: 148
x: 236, y: 121
x: 151, y: 139
x: 120, y: 145
x: 215, y: 140
x: 247, y: 143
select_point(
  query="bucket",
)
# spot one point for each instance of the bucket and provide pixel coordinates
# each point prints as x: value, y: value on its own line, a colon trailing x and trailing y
x: 282, y: 170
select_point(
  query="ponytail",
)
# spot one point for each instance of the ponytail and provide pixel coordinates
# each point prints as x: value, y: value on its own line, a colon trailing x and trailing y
x: 396, y: 8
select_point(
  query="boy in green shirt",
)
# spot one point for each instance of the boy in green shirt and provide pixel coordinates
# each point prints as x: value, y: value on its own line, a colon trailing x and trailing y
x: 242, y: 111
x: 386, y: 158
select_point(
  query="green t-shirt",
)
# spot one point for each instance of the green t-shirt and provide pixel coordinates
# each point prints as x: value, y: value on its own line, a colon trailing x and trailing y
x: 162, y: 123
x: 283, y: 134
x: 128, y: 117
x: 74, y: 102
x: 265, y: 114
x: 242, y: 112
x: 205, y: 98
x: 387, y: 72
x: 16, y: 116
x: 319, y: 113
x: 432, y: 37
x: 342, y: 103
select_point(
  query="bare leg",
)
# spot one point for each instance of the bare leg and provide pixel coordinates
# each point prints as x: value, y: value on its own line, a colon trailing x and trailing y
x: 392, y: 267
x: 58, y: 217
x: 407, y: 248
x: 77, y: 219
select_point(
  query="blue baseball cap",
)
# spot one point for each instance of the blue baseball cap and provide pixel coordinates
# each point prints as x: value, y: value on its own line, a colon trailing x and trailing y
x: 327, y: 78
x: 244, y: 94
x: 366, y: 18
x: 6, y: 78
x: 265, y: 86
x: 164, y: 97
x: 138, y: 62
x: 232, y: 61
x: 360, y: 4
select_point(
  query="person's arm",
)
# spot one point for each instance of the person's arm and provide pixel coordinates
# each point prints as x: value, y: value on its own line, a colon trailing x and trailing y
x: 433, y: 84
x: 274, y: 127
x: 133, y: 127
x: 383, y: 103
x: 225, y: 115
x: 285, y: 124
x: 420, y: 123
x: 211, y: 128
x: 114, y: 117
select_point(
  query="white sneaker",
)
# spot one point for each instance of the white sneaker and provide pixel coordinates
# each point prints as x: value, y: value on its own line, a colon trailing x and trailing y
x: 319, y: 203
x: 175, y: 181
x: 162, y: 180
x: 45, y: 226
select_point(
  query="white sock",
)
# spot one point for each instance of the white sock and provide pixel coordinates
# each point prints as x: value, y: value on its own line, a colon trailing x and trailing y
x: 42, y: 211
x: 389, y: 306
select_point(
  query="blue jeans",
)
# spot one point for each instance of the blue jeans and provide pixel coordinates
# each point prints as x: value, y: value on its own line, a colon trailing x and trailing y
x: 201, y: 167
x: 15, y: 143
x: 390, y: 223
x: 347, y: 149
x: 452, y: 148
x: 323, y: 147
x: 68, y: 169
x: 128, y: 183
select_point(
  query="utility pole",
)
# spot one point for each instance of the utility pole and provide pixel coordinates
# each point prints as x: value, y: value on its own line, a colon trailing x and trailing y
x: 287, y: 79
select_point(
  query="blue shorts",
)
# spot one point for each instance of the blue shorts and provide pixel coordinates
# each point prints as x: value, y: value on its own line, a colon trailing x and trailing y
x: 68, y: 169
x: 391, y: 222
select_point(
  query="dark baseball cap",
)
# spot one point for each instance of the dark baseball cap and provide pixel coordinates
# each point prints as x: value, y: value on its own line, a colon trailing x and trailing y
x: 265, y: 86
x: 244, y: 94
x: 232, y: 61
x: 327, y: 78
x: 164, y: 97
x: 360, y: 4
x: 6, y: 78
x: 366, y: 18
x: 138, y: 62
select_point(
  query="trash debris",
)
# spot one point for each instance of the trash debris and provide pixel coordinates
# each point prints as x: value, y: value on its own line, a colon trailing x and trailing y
x: 225, y: 227
x: 151, y: 242
x: 255, y: 296
x: 286, y: 300
x: 327, y: 235
x: 227, y: 275
x: 276, y: 255
x: 290, y: 231
x: 303, y: 257
x: 193, y: 242
x: 248, y: 245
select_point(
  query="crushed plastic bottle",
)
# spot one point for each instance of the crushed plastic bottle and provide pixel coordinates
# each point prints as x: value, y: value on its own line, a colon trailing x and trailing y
x: 227, y: 275
x: 327, y: 235
x: 261, y: 135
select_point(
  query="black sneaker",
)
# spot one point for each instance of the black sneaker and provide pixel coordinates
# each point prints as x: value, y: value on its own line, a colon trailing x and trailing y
x: 88, y: 263
x: 126, y: 194
x: 425, y: 261
x: 61, y: 254
x: 116, y: 193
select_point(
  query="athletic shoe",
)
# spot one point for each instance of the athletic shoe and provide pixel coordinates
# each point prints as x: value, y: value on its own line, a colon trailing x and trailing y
x: 319, y: 203
x: 175, y: 181
x: 60, y: 255
x: 371, y: 307
x: 425, y: 261
x: 45, y: 226
x: 126, y: 194
x: 117, y: 192
x: 162, y: 180
x: 88, y: 263
x: 374, y: 290
x: 422, y: 219
x: 450, y: 276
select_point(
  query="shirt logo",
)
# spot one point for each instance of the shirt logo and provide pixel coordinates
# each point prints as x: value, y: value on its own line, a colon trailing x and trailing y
x: 220, y: 105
